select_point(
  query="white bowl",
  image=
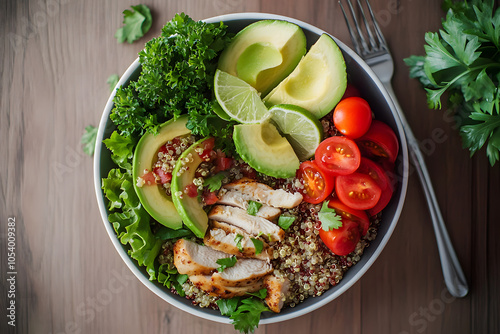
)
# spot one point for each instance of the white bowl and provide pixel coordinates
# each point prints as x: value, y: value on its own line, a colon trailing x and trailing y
x: 371, y: 89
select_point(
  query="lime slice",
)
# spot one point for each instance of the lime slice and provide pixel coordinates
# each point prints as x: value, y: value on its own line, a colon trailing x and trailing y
x: 300, y: 127
x: 238, y: 99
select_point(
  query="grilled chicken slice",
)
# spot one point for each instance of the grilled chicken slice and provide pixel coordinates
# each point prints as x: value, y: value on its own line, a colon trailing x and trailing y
x: 264, y: 194
x: 277, y: 288
x: 193, y: 259
x: 245, y: 272
x: 234, y: 241
x: 205, y: 283
x: 241, y: 200
x: 251, y: 224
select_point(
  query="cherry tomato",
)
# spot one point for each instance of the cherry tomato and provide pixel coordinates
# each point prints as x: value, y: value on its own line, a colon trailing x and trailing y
x: 164, y: 176
x: 210, y: 197
x: 357, y: 191
x: 222, y: 162
x: 343, y: 240
x: 379, y: 175
x: 351, y: 90
x: 357, y: 216
x: 379, y: 142
x: 352, y: 117
x: 338, y: 156
x: 317, y: 185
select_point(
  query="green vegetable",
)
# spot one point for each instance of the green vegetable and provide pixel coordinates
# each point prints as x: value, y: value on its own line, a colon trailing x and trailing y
x: 112, y: 81
x: 328, y: 218
x: 122, y: 149
x: 463, y: 60
x: 88, y: 139
x: 214, y: 182
x: 237, y: 240
x: 253, y: 207
x: 285, y: 221
x: 261, y: 294
x: 165, y: 233
x: 227, y: 262
x: 136, y: 22
x: 258, y: 244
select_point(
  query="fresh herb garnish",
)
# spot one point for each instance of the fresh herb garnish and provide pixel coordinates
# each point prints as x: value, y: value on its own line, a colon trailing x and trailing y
x: 88, y: 139
x: 136, y: 22
x: 214, y: 182
x: 112, y: 81
x: 285, y: 221
x: 165, y: 233
x: 463, y: 60
x: 227, y: 262
x: 258, y: 244
x: 238, y: 240
x: 253, y: 207
x: 328, y: 218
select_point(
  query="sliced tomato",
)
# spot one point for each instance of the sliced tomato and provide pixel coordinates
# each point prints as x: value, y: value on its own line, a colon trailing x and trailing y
x: 379, y: 142
x: 359, y: 216
x: 317, y: 185
x: 149, y: 178
x: 208, y: 147
x: 385, y: 198
x: 379, y: 175
x: 164, y: 176
x: 343, y: 240
x: 210, y: 197
x: 191, y: 190
x: 222, y: 162
x: 357, y: 191
x: 338, y: 156
x: 352, y: 117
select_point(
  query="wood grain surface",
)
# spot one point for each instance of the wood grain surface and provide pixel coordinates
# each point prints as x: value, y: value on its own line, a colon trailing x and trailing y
x: 55, y: 58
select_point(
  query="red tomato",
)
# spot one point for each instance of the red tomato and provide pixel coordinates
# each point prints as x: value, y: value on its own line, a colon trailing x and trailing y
x: 357, y: 191
x: 379, y: 175
x: 208, y: 146
x: 164, y: 176
x: 149, y: 178
x: 210, y: 197
x: 343, y: 240
x: 379, y: 142
x: 338, y: 156
x: 317, y: 184
x: 222, y: 163
x: 191, y: 190
x: 385, y: 198
x: 357, y: 216
x: 172, y: 146
x: 352, y: 117
x: 350, y: 90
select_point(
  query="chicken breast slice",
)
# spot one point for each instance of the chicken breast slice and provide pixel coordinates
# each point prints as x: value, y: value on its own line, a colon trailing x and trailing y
x: 245, y: 272
x: 253, y: 225
x: 193, y: 259
x: 205, y: 283
x: 263, y: 193
x: 241, y: 200
x: 277, y: 289
x: 233, y: 242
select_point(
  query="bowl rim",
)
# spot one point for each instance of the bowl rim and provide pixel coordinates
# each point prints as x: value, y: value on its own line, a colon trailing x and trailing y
x: 197, y: 311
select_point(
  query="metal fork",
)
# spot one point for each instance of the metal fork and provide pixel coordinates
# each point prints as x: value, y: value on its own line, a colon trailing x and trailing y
x: 372, y: 47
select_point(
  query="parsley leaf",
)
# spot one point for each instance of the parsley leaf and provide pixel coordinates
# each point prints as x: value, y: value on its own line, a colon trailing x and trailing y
x: 237, y: 240
x: 214, y: 182
x: 247, y: 316
x: 112, y: 81
x: 285, y: 221
x: 88, y: 139
x: 328, y: 218
x: 227, y: 262
x: 136, y: 22
x: 228, y: 306
x: 258, y: 244
x: 261, y: 294
x: 253, y: 207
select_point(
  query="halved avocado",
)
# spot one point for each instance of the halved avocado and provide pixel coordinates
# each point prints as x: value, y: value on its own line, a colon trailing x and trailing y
x: 189, y: 208
x: 153, y: 197
x: 317, y: 83
x: 265, y: 150
x: 264, y: 53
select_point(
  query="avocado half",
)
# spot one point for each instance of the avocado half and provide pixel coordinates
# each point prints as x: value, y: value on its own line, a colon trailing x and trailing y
x: 317, y: 83
x: 153, y: 197
x: 264, y: 53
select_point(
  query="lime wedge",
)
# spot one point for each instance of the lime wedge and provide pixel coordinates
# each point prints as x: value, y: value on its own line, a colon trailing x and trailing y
x: 299, y: 126
x: 238, y: 99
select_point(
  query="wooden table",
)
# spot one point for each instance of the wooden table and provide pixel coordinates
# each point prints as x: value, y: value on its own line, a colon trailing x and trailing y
x: 56, y: 56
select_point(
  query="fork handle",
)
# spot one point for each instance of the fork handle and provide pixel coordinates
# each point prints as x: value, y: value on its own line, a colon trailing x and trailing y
x: 452, y: 272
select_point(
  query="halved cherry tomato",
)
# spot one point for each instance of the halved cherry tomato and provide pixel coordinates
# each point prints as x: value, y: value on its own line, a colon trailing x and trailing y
x: 191, y: 190
x: 338, y: 156
x: 317, y: 185
x: 343, y: 240
x: 352, y: 117
x: 357, y: 191
x: 380, y: 142
x: 357, y: 216
x: 379, y: 175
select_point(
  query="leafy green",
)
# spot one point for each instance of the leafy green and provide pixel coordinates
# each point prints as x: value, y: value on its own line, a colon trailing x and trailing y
x: 285, y: 221
x: 462, y: 60
x: 112, y: 81
x: 227, y: 262
x: 165, y: 233
x: 244, y: 312
x: 258, y: 244
x: 214, y: 182
x: 261, y: 294
x: 253, y: 207
x: 122, y: 149
x: 136, y: 22
x: 88, y: 139
x: 228, y: 306
x: 328, y: 218
x: 237, y: 240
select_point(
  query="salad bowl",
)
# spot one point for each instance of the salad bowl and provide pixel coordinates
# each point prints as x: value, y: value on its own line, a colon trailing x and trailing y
x: 361, y: 76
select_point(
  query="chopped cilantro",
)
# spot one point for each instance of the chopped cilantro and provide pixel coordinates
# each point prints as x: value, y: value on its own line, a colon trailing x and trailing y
x: 261, y: 294
x: 247, y: 316
x: 285, y: 221
x: 253, y: 207
x: 214, y: 182
x: 227, y: 262
x: 237, y: 240
x: 258, y: 244
x: 328, y: 218
x: 136, y: 22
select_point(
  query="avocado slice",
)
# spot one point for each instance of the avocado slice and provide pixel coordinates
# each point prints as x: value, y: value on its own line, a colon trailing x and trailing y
x: 189, y: 208
x: 264, y: 53
x: 153, y: 197
x: 265, y: 150
x: 317, y: 83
